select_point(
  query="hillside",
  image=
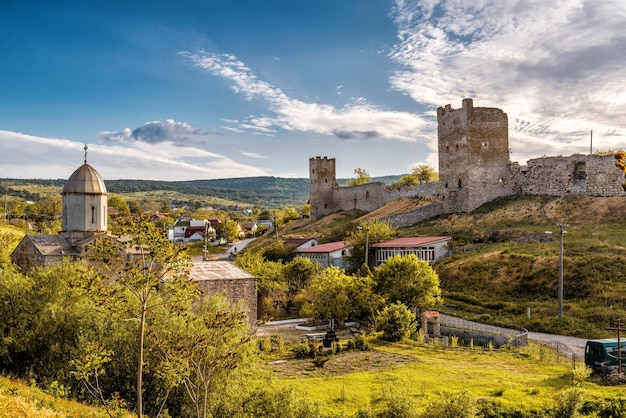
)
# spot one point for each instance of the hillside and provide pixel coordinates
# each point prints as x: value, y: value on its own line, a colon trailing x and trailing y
x: 273, y: 192
x: 504, y: 262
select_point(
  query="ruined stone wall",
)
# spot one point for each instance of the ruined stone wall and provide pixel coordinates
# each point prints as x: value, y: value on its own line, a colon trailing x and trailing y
x: 405, y: 219
x: 591, y: 175
x: 236, y: 291
x: 474, y: 168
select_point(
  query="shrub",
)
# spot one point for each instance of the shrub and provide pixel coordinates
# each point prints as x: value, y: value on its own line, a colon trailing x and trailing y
x: 360, y: 343
x: 454, y: 405
x: 568, y: 404
x: 301, y: 350
x: 395, y: 321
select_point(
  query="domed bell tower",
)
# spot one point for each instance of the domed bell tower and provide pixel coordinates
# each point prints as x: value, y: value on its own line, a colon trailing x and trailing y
x: 84, y: 204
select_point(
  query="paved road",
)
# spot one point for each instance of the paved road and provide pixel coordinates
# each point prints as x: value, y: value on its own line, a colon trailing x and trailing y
x: 576, y: 344
x: 232, y: 250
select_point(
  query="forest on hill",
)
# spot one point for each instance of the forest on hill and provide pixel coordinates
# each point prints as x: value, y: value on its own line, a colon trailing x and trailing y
x: 273, y: 192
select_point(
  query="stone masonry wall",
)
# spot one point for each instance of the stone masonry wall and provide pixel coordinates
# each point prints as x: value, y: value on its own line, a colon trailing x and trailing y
x: 592, y: 175
x: 235, y: 291
x: 474, y: 168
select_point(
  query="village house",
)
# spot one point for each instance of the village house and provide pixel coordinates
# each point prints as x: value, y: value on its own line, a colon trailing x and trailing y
x: 430, y: 249
x: 301, y: 243
x: 329, y: 254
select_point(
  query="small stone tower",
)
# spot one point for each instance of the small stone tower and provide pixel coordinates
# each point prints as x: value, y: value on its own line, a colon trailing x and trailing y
x: 323, y: 182
x: 84, y: 204
x: 473, y: 156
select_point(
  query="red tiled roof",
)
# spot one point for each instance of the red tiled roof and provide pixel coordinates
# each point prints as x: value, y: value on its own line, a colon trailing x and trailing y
x: 411, y: 241
x: 297, y: 241
x: 325, y: 248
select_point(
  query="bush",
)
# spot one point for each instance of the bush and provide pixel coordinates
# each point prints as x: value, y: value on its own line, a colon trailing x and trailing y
x: 395, y: 321
x: 359, y: 342
x: 454, y: 405
x: 301, y: 350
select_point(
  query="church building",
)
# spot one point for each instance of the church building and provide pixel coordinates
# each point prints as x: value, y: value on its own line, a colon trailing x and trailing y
x: 84, y: 217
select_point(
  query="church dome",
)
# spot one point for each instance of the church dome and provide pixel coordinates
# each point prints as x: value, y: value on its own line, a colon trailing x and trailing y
x: 85, y: 180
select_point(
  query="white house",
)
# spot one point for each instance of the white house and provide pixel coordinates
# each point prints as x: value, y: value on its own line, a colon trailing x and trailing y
x: 329, y: 254
x: 429, y: 249
x: 301, y: 243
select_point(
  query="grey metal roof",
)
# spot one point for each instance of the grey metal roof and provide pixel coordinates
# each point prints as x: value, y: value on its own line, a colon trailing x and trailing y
x: 217, y: 270
x: 52, y: 245
x: 85, y: 180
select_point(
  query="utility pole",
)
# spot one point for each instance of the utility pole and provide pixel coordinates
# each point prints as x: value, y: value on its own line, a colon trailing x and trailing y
x: 561, y: 271
x: 560, y: 297
x: 591, y: 144
x: 618, y: 327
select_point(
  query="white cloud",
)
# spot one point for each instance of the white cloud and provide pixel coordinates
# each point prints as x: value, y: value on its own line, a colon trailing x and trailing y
x: 356, y: 120
x: 37, y: 157
x: 155, y: 132
x: 556, y: 68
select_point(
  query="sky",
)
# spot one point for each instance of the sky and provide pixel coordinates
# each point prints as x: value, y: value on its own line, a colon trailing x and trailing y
x: 205, y: 89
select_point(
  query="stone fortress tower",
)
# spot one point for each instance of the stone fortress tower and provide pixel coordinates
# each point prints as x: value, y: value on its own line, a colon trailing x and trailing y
x: 323, y: 181
x: 474, y: 168
x: 473, y: 156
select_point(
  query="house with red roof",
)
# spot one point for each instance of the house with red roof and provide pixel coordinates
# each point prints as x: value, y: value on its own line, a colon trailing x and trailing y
x: 300, y: 243
x: 430, y: 249
x: 329, y: 254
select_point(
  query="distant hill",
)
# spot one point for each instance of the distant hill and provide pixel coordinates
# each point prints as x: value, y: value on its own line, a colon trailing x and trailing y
x: 267, y: 191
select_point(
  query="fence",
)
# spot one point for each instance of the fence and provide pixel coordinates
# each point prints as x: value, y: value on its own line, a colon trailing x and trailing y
x: 517, y: 337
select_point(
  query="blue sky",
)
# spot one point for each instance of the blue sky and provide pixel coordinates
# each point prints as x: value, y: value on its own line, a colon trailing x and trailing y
x: 215, y: 89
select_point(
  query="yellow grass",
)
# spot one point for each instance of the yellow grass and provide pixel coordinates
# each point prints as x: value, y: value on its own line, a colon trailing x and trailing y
x: 512, y: 379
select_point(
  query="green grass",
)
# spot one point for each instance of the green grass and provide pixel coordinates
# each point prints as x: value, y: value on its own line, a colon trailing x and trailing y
x: 18, y: 400
x: 522, y: 380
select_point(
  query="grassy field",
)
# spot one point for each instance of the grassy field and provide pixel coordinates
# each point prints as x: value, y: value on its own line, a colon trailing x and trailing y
x: 522, y: 380
x: 19, y: 400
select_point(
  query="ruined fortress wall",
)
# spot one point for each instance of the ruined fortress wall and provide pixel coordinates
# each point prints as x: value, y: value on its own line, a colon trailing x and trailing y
x: 591, y: 175
x: 370, y: 196
x: 474, y: 168
x: 402, y: 220
x: 327, y: 197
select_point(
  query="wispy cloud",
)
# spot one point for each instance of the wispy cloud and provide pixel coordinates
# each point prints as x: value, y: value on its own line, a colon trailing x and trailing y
x: 252, y: 154
x: 38, y: 157
x: 556, y: 68
x: 357, y: 120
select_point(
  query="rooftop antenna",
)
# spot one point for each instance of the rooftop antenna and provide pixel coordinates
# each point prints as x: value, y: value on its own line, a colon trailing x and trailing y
x: 86, y: 147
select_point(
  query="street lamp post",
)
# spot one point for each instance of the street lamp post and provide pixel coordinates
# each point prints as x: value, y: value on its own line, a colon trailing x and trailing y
x: 367, y: 239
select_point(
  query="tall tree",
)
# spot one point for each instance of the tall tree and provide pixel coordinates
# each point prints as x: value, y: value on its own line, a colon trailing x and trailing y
x: 366, y: 234
x: 409, y: 280
x: 362, y: 177
x: 150, y: 272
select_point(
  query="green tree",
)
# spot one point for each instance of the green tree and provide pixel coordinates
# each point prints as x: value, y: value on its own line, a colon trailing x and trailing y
x: 149, y: 272
x: 409, y: 280
x: 329, y: 295
x: 369, y: 232
x: 396, y: 321
x: 425, y: 173
x: 271, y: 286
x: 362, y: 177
x: 119, y: 203
x: 200, y: 349
x: 46, y: 318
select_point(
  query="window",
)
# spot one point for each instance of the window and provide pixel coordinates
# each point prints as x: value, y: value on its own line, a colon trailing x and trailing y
x: 93, y: 214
